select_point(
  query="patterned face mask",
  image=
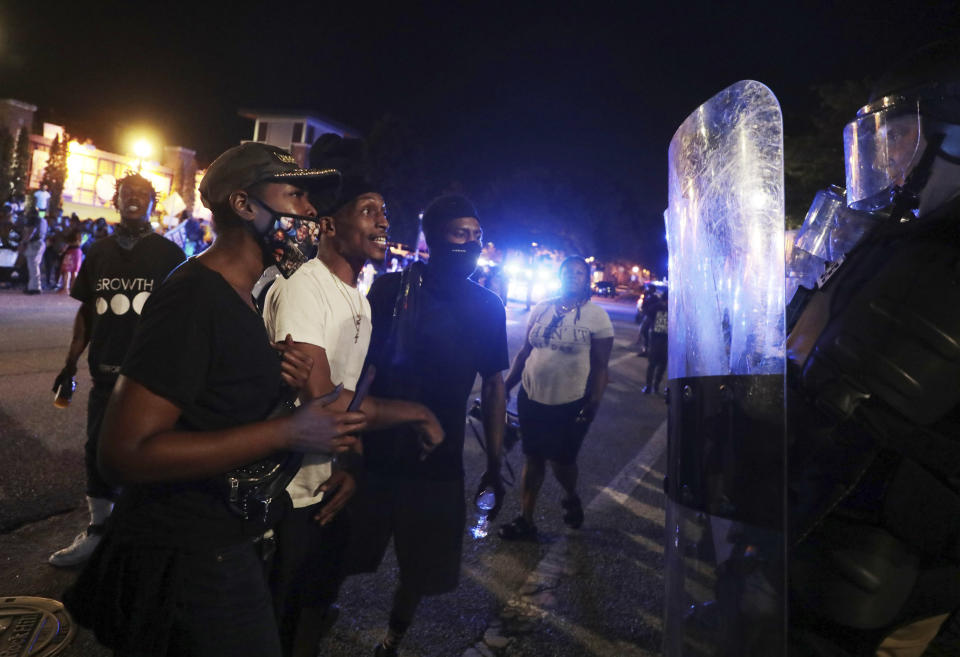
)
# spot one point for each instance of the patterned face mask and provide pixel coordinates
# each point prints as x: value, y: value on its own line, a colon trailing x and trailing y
x: 285, y: 242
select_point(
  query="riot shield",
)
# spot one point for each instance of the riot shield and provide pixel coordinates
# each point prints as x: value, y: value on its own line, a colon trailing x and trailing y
x: 726, y: 483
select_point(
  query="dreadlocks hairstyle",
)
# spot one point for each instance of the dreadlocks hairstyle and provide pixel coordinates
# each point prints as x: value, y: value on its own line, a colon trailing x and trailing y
x: 133, y: 177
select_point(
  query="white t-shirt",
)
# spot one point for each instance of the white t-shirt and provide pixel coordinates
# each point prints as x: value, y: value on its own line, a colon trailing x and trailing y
x: 316, y: 307
x: 556, y: 370
x: 41, y: 198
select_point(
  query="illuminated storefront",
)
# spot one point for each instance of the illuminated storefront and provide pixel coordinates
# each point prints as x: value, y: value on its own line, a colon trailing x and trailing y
x: 92, y: 176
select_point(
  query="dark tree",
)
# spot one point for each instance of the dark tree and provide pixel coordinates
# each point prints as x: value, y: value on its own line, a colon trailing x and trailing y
x: 813, y: 152
x: 396, y: 161
x: 55, y: 174
x: 19, y: 168
x: 6, y: 163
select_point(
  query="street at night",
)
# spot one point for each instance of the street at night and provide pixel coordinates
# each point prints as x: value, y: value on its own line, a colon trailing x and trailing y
x: 294, y: 296
x: 593, y: 591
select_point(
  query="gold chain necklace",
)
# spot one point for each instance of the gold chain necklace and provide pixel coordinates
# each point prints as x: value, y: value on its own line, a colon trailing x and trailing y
x: 357, y: 314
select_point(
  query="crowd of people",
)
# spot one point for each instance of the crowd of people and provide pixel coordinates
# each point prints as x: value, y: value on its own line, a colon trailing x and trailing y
x: 43, y: 250
x: 230, y: 497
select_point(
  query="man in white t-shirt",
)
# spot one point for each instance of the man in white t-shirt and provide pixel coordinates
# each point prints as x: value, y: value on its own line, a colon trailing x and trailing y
x: 41, y: 198
x: 322, y: 308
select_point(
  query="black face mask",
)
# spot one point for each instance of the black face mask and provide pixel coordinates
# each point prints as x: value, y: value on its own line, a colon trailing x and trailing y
x: 456, y: 261
x: 280, y: 242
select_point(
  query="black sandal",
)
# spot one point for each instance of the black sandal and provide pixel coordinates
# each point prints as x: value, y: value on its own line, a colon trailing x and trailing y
x: 518, y: 530
x: 574, y: 512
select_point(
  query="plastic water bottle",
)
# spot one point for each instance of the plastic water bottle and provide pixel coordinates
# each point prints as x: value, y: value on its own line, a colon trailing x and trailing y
x: 485, y: 501
x: 64, y: 392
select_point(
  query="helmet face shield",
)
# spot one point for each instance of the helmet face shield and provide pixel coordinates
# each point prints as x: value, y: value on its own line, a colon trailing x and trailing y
x: 880, y: 147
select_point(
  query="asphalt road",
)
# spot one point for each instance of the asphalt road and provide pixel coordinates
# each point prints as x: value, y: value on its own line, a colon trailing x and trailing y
x: 595, y: 591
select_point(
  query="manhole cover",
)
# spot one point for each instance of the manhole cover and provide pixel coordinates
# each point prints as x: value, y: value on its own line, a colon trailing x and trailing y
x: 38, y: 627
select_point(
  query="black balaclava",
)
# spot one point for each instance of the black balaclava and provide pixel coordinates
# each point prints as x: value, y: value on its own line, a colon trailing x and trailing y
x: 449, y: 260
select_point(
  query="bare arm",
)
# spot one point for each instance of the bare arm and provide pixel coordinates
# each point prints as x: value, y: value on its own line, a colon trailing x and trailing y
x: 139, y: 444
x: 493, y: 408
x: 599, y: 375
x: 80, y: 338
x: 516, y: 371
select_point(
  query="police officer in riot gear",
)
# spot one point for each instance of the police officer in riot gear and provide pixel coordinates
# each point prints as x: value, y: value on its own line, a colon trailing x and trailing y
x: 874, y: 386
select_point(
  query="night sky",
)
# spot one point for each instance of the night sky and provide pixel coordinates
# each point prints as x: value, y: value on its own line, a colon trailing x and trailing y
x: 593, y: 87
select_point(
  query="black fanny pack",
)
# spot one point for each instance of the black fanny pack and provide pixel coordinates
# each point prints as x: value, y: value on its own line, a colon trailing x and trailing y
x: 251, y: 489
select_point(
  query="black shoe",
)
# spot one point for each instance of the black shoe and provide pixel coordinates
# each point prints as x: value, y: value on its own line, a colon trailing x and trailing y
x: 574, y: 512
x: 31, y: 292
x: 647, y: 390
x: 518, y: 530
x: 383, y: 651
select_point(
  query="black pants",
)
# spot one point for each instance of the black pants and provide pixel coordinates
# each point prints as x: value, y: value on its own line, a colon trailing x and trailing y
x: 96, y: 407
x: 308, y: 567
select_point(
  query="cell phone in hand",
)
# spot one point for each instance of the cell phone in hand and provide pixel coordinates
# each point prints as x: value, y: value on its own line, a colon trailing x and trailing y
x: 363, y: 386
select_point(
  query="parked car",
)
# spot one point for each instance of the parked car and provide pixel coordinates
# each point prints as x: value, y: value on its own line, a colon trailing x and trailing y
x: 605, y: 289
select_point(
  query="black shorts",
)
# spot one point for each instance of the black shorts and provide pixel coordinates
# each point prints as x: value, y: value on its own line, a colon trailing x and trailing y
x: 427, y: 520
x: 551, y: 432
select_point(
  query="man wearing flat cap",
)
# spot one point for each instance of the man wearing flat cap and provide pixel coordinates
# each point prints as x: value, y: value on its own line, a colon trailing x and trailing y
x: 179, y: 570
x: 434, y: 331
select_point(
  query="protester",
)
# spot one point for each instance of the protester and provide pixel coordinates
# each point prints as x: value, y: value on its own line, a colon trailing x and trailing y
x: 180, y: 571
x: 321, y: 307
x: 70, y: 260
x: 645, y: 317
x: 32, y: 245
x: 447, y: 331
x: 51, y: 254
x: 41, y: 197
x: 563, y: 368
x: 112, y: 285
x: 657, y: 345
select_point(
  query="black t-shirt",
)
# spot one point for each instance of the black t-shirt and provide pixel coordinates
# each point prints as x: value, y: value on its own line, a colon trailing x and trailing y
x: 461, y: 331
x: 116, y: 282
x: 201, y: 347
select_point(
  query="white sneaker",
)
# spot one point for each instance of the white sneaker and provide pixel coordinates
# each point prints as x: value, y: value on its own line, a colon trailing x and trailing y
x: 77, y: 552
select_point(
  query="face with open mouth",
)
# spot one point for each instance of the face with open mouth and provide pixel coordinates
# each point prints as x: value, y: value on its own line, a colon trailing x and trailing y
x: 361, y: 228
x: 135, y: 201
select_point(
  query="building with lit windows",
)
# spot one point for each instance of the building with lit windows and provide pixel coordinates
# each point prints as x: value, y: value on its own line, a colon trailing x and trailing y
x: 293, y: 131
x: 92, y: 173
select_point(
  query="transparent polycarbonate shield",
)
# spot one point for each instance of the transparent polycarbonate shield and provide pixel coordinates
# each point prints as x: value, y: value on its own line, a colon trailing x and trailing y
x: 725, y: 563
x: 821, y: 220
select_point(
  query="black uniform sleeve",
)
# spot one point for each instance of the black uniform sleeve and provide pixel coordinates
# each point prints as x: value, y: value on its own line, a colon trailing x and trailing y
x: 171, y: 350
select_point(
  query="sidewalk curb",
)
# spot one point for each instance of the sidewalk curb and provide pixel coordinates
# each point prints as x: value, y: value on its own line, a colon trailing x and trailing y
x: 534, y: 601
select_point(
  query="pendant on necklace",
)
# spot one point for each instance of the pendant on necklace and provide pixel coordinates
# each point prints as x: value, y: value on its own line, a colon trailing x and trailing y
x: 356, y: 324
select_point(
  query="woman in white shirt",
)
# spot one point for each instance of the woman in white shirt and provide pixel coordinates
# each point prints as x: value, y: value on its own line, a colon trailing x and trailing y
x: 563, y: 370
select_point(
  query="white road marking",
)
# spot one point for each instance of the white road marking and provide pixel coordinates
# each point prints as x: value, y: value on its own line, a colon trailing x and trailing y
x: 534, y: 597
